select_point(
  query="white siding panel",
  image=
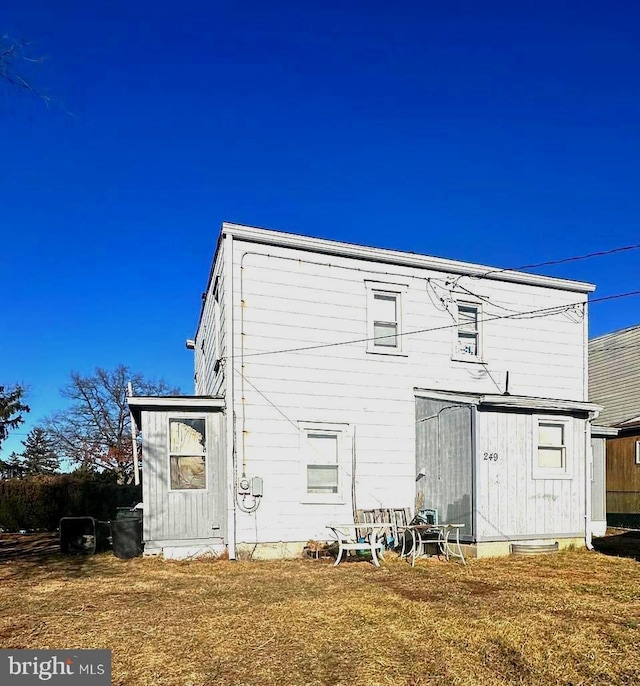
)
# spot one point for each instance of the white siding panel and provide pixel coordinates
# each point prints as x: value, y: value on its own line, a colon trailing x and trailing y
x: 207, y: 380
x: 512, y: 503
x: 181, y: 515
x: 290, y: 302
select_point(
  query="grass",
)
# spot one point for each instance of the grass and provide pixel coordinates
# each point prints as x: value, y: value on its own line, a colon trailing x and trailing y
x: 571, y: 618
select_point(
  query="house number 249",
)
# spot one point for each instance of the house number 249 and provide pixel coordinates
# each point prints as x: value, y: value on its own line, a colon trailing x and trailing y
x: 491, y: 456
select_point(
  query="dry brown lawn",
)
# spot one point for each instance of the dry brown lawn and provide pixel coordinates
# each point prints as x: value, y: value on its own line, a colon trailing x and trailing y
x: 570, y: 618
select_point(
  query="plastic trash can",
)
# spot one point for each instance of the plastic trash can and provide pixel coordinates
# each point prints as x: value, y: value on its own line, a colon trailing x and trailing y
x: 126, y: 536
x: 83, y: 535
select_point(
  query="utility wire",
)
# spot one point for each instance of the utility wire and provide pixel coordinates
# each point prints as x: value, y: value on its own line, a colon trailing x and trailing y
x: 564, y: 260
x: 556, y: 309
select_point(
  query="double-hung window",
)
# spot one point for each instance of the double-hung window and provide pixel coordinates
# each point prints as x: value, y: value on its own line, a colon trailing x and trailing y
x: 551, y: 458
x: 323, y: 452
x: 187, y: 453
x: 467, y: 343
x: 384, y: 318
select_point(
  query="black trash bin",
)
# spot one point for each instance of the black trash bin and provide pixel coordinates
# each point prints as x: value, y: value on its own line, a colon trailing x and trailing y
x: 83, y: 535
x: 128, y: 513
x: 126, y: 537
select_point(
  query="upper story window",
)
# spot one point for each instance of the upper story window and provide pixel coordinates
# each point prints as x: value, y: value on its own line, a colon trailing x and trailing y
x: 467, y: 343
x: 384, y: 318
x: 551, y: 455
x: 187, y: 453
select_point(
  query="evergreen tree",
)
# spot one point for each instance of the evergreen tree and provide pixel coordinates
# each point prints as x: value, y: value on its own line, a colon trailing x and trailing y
x: 39, y: 456
x: 13, y: 468
x: 11, y: 410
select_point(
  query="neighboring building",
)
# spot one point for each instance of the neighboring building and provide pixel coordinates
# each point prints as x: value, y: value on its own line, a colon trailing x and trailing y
x: 614, y: 383
x: 332, y: 377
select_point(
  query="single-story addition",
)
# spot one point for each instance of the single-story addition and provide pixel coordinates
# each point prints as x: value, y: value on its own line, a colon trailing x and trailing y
x: 332, y: 377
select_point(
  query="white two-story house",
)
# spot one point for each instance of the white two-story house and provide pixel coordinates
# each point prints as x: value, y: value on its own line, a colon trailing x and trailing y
x: 331, y: 377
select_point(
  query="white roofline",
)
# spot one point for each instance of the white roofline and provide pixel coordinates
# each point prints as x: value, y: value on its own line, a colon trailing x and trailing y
x: 598, y: 431
x: 407, y: 259
x: 182, y: 402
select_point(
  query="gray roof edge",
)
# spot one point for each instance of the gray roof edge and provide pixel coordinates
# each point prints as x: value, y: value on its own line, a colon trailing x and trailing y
x: 509, y: 401
x: 528, y: 402
x: 611, y: 334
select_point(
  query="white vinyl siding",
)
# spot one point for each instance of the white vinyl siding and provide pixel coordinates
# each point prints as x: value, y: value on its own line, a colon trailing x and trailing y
x: 512, y: 500
x: 211, y: 337
x: 317, y: 308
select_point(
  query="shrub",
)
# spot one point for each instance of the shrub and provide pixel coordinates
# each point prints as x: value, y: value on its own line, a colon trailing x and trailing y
x: 39, y: 502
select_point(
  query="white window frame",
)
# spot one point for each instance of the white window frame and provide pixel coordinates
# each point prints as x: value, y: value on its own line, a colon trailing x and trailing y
x: 456, y: 353
x: 207, y: 457
x: 343, y: 437
x: 566, y: 471
x: 637, y: 455
x: 397, y: 291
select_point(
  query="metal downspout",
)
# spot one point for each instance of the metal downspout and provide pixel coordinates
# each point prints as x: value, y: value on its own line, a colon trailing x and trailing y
x: 588, y: 457
x: 230, y: 400
x: 588, y: 469
x: 588, y: 462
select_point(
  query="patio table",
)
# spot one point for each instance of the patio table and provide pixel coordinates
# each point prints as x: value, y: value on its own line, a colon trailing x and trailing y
x: 423, y: 533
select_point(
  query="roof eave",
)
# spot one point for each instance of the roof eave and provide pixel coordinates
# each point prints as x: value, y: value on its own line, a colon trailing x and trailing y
x: 322, y: 245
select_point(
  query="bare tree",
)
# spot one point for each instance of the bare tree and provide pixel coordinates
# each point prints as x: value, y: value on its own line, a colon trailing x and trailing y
x: 14, y: 62
x: 95, y: 430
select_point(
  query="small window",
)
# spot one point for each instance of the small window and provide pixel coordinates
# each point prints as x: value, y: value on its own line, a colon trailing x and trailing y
x: 322, y: 462
x: 468, y: 332
x: 552, y: 450
x: 637, y: 452
x: 385, y: 319
x: 384, y: 315
x: 187, y: 453
x: 552, y: 453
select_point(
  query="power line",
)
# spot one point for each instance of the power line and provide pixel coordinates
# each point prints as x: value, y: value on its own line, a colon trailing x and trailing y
x: 556, y: 309
x: 564, y: 260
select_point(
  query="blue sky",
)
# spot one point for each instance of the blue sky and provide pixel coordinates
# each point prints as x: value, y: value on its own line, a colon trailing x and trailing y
x: 505, y: 133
